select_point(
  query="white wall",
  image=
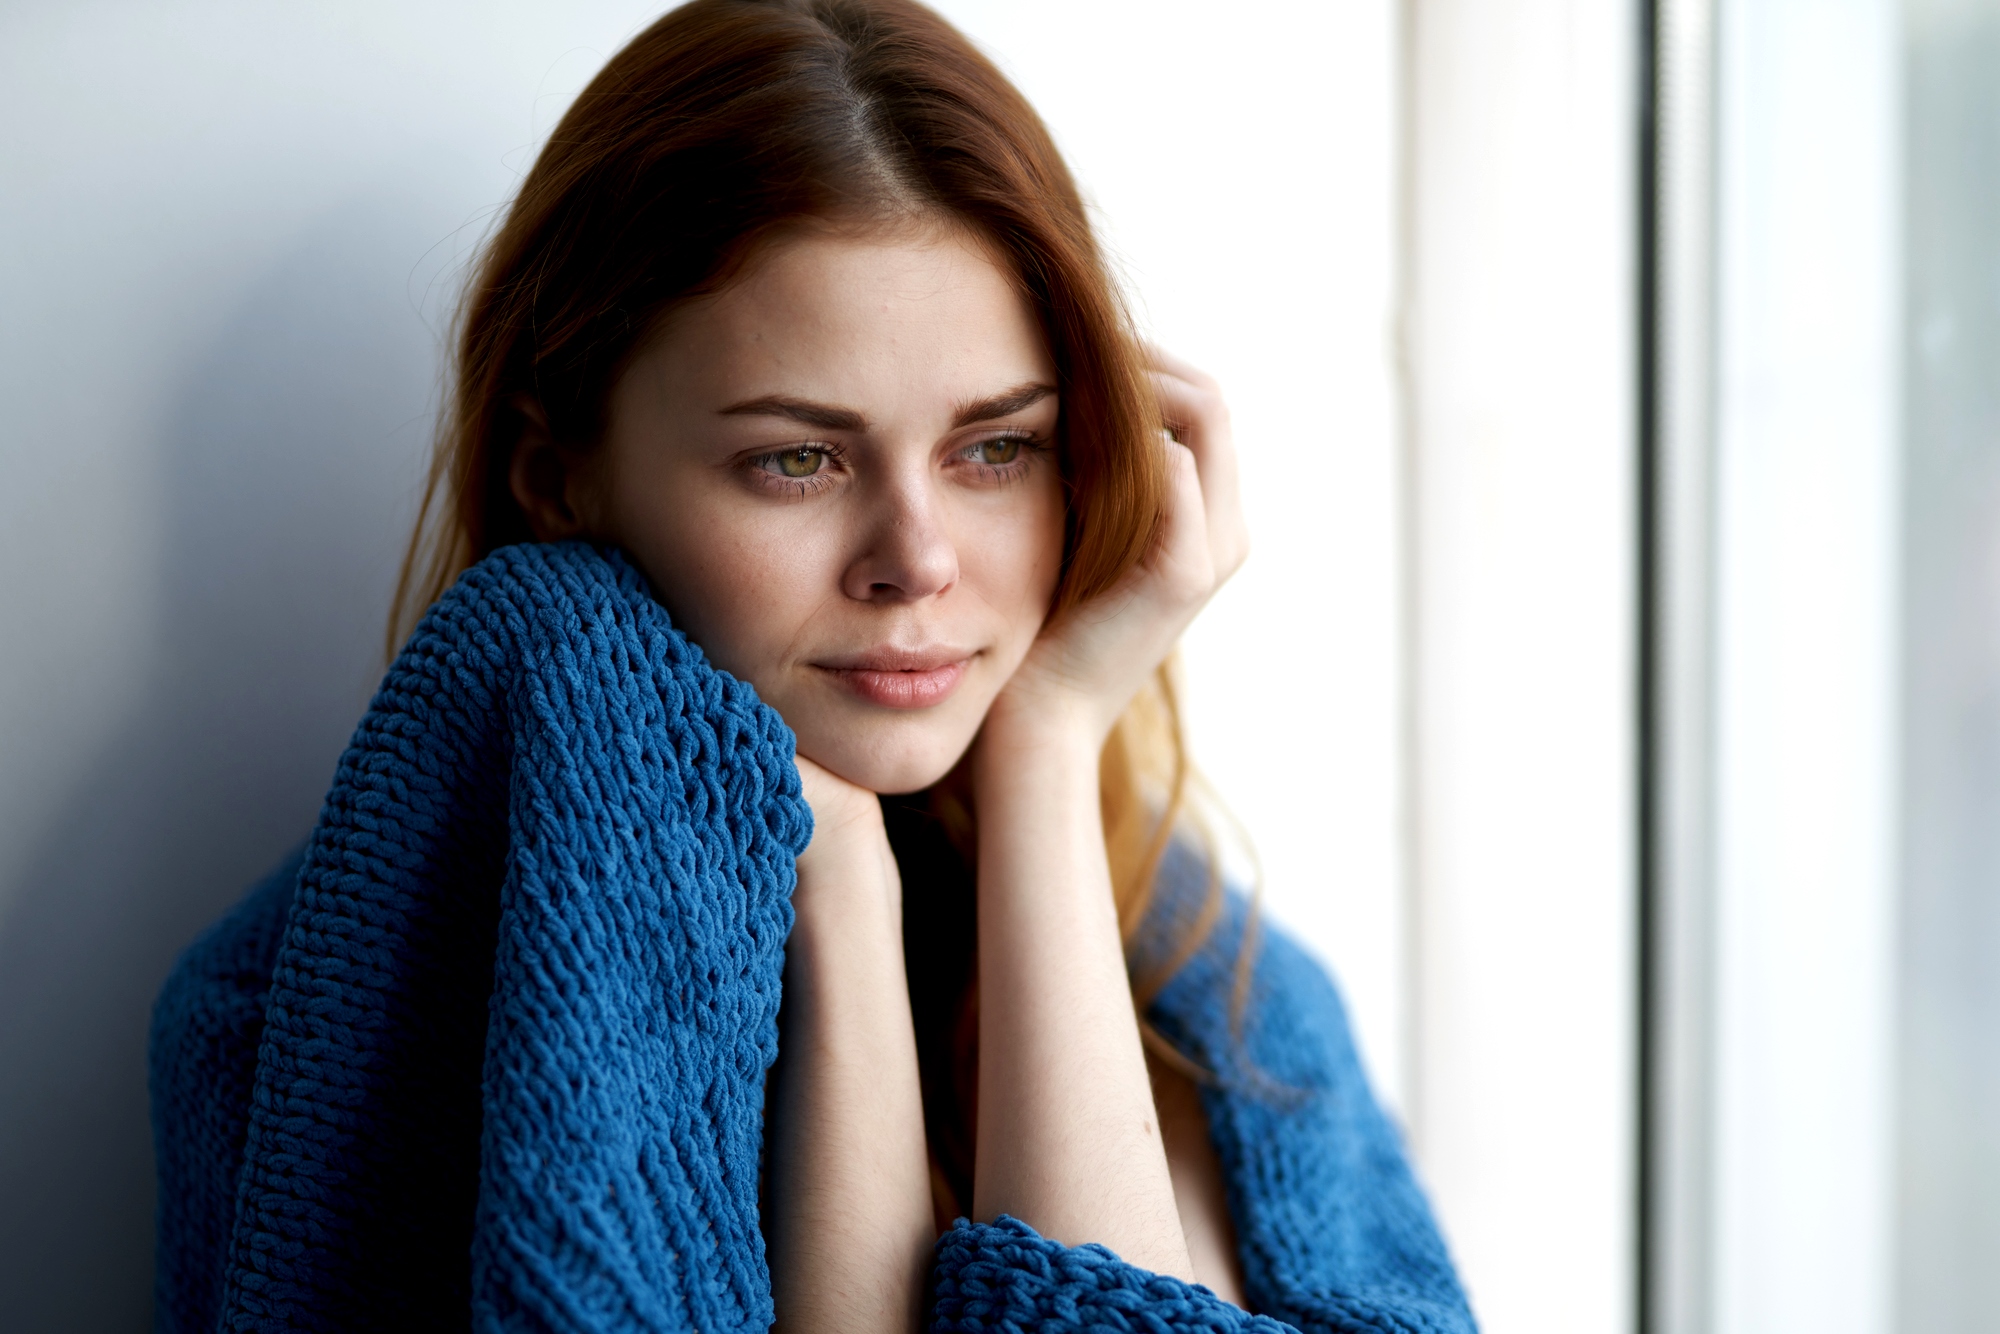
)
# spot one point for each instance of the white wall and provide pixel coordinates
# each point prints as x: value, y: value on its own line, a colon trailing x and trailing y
x: 1244, y: 174
x: 228, y: 239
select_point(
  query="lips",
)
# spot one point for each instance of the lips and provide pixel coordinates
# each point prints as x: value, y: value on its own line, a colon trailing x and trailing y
x: 901, y: 678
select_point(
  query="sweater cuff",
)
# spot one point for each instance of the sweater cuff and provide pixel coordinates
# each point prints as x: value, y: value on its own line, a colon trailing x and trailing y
x: 1005, y: 1276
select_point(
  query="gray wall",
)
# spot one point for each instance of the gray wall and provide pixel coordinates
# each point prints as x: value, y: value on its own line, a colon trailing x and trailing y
x: 228, y: 237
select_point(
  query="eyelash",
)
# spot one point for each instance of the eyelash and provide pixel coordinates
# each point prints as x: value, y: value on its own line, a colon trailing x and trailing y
x: 1000, y: 474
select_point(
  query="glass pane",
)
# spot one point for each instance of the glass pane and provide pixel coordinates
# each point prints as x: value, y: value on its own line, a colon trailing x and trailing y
x: 1949, y: 1113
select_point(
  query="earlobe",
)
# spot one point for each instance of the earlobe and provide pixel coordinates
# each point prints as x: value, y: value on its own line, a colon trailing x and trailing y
x: 539, y: 475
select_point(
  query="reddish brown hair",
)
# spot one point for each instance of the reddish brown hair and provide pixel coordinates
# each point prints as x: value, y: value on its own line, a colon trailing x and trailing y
x: 719, y: 126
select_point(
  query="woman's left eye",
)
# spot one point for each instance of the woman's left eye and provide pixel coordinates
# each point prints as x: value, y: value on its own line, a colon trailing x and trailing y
x: 997, y: 452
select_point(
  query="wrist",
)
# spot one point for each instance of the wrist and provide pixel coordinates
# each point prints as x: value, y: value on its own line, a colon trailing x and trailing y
x: 1026, y: 750
x: 847, y: 875
x: 1042, y: 725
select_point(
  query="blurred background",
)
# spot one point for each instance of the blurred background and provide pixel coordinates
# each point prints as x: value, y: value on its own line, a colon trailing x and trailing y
x: 1612, y: 698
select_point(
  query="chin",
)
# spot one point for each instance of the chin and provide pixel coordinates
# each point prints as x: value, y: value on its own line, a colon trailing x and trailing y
x: 891, y: 765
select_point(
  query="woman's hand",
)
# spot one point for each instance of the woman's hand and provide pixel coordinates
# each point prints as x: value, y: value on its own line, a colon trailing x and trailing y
x: 847, y: 823
x: 1087, y: 666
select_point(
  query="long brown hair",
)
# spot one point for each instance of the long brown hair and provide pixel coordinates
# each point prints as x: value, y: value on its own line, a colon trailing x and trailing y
x: 721, y: 124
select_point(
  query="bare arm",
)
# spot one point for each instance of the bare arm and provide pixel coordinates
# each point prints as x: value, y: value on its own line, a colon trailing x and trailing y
x: 1198, y: 1186
x: 1069, y: 1141
x: 850, y: 1230
x: 1069, y: 1138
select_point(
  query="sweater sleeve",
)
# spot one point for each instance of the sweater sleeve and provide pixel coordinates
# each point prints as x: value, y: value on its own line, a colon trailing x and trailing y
x: 202, y: 1061
x: 1004, y: 1276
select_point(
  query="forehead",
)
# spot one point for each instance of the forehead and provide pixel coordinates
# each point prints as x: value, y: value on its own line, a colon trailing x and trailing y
x: 912, y: 313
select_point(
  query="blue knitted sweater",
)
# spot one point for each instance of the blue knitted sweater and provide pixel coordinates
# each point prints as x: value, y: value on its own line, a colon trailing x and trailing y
x: 491, y: 1049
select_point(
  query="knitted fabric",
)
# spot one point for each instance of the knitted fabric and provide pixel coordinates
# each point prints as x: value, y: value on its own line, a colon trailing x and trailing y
x: 1332, y: 1229
x: 492, y: 1051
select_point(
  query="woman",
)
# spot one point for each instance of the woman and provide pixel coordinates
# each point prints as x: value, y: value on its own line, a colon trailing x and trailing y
x: 800, y: 312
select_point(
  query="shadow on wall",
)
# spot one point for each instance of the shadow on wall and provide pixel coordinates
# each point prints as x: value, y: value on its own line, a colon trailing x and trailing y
x: 289, y: 464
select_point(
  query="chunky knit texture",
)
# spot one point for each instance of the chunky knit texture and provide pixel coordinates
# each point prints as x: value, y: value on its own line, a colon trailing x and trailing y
x: 492, y: 1051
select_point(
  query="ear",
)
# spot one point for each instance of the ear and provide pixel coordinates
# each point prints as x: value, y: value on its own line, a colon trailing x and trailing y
x: 544, y: 476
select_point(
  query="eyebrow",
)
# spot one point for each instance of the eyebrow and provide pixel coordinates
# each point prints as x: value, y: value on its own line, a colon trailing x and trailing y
x: 822, y: 415
x: 1018, y: 399
x: 828, y: 417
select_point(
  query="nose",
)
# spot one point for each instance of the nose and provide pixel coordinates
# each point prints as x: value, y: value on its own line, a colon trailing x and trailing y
x: 907, y: 553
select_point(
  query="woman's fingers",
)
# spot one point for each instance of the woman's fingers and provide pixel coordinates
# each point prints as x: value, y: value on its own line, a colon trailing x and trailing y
x: 1192, y: 407
x: 838, y: 806
x: 1186, y: 545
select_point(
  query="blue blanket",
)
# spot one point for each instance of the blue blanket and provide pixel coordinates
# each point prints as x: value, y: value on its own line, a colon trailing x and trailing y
x: 491, y: 1049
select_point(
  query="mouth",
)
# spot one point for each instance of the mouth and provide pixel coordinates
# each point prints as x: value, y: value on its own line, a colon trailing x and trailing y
x: 895, y: 678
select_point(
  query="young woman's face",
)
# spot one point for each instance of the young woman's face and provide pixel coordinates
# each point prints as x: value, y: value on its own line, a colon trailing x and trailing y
x: 840, y: 477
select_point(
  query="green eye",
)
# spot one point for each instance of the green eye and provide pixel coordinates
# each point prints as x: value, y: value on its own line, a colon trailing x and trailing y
x: 800, y: 462
x: 998, y: 452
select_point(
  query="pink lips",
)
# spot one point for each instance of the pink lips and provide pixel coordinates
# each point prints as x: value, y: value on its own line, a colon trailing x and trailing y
x: 902, y: 678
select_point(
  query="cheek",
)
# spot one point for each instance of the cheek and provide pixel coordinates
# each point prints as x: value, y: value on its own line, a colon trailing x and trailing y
x: 1016, y: 559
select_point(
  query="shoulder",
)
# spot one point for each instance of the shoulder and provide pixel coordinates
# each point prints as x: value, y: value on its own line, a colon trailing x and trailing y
x: 1250, y: 992
x: 1332, y: 1226
x: 1264, y: 1019
x: 210, y: 1012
